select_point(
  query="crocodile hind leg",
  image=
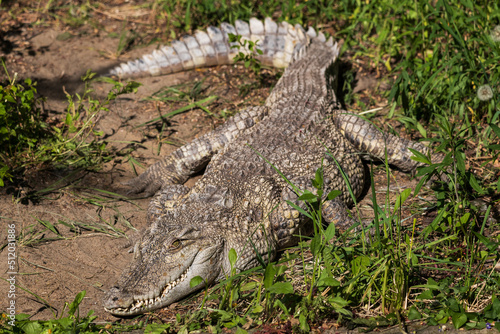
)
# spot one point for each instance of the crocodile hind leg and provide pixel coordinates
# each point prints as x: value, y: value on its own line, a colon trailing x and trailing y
x: 192, y: 157
x: 368, y: 139
x: 289, y: 223
x: 286, y: 221
x: 335, y: 212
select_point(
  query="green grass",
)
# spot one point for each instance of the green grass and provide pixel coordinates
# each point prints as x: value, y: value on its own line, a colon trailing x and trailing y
x: 72, y: 322
x: 442, y: 60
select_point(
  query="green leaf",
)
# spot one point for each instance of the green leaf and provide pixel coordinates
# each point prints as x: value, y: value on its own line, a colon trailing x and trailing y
x: 330, y: 232
x: 426, y: 295
x: 414, y: 260
x: 69, y: 119
x: 491, y: 245
x: 278, y: 303
x: 269, y: 275
x: 32, y: 327
x: 475, y: 185
x: 232, y: 257
x: 435, y: 223
x: 421, y: 129
x: 195, y: 281
x: 328, y: 281
x: 281, y: 287
x: 76, y: 303
x: 414, y: 314
x: 419, y: 157
x: 249, y: 286
x: 308, y: 197
x: 432, y: 322
x: 495, y: 129
x: 22, y: 316
x: 319, y: 177
x: 496, y: 306
x: 464, y: 219
x: 156, y: 328
x: 338, y: 302
x: 458, y: 319
x: 315, y: 245
x: 460, y: 159
x: 257, y: 309
x: 454, y: 306
x: 360, y: 263
x: 49, y: 226
x: 442, y: 317
x: 402, y: 198
x: 240, y: 331
x: 303, y: 323
x: 65, y: 322
x: 332, y: 194
x: 281, y: 269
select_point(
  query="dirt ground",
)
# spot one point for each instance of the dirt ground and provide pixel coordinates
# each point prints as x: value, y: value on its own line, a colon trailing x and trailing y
x: 53, y: 272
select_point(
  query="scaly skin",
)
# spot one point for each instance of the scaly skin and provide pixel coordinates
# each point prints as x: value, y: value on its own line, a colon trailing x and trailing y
x: 240, y: 202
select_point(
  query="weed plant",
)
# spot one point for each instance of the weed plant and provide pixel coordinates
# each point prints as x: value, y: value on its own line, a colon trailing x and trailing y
x: 71, y: 322
x: 31, y: 143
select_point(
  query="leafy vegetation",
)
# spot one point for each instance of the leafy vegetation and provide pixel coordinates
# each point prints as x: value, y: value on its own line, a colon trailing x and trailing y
x: 249, y: 60
x: 71, y: 323
x: 31, y: 142
x: 442, y: 60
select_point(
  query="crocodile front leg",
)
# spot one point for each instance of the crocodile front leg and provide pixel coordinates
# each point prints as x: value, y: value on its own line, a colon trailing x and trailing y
x: 192, y: 157
x: 368, y: 139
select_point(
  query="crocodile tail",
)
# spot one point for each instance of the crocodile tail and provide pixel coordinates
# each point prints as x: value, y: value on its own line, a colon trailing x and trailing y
x: 280, y: 43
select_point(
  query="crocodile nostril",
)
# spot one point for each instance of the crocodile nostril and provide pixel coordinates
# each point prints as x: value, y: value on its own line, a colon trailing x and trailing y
x: 114, y: 289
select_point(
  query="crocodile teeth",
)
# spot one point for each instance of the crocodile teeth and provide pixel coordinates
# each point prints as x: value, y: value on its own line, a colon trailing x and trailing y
x: 173, y: 284
x: 148, y: 300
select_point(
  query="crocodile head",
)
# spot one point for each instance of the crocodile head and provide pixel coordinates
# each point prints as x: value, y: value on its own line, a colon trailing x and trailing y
x: 165, y: 260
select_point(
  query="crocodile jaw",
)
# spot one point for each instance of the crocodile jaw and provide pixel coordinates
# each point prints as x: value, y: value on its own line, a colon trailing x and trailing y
x: 121, y: 303
x: 141, y: 289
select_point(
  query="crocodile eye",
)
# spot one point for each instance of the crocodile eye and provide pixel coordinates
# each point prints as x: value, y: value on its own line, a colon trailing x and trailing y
x: 176, y: 244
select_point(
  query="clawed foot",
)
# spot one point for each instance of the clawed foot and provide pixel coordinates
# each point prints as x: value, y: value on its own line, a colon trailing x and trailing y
x: 142, y: 184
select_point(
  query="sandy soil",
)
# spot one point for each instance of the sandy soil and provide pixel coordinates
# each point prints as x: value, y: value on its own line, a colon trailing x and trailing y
x: 53, y: 272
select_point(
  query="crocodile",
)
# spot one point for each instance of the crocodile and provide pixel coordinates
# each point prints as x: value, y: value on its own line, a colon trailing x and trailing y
x: 257, y: 165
